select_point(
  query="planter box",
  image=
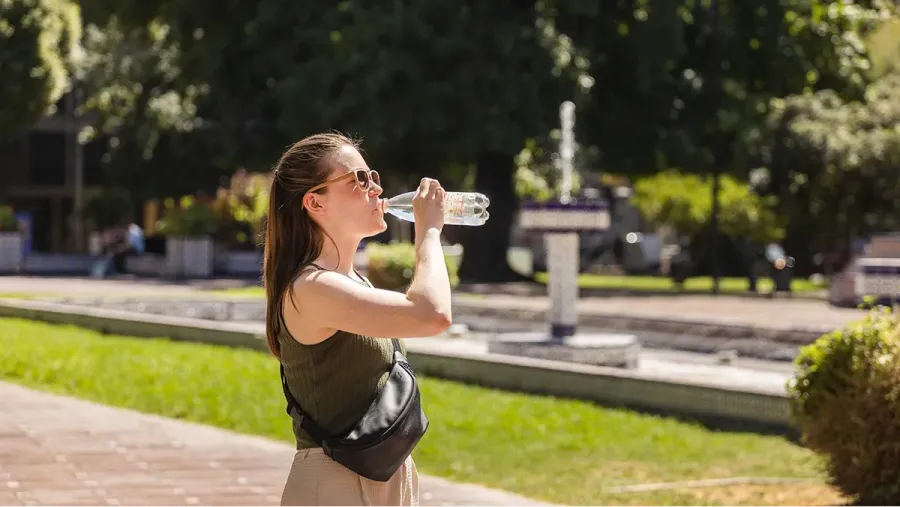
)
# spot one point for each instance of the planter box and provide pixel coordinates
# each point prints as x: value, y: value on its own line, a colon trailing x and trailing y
x: 12, y: 252
x: 190, y: 257
x: 220, y: 263
x: 57, y: 264
x: 243, y: 263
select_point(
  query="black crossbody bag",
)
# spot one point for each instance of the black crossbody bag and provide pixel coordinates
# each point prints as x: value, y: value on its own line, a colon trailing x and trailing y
x: 384, y: 436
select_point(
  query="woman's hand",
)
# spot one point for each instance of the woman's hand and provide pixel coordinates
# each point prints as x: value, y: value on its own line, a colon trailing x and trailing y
x: 428, y: 205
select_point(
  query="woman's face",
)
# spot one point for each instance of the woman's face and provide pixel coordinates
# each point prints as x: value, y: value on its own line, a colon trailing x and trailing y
x: 349, y: 208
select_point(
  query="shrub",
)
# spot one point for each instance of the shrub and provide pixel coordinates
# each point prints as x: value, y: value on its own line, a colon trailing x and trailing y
x: 391, y: 266
x: 241, y: 209
x: 8, y: 222
x: 846, y: 400
x: 189, y: 217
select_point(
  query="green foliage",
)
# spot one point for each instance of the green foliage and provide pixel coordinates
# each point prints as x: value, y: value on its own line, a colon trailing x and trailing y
x: 241, y: 209
x: 669, y: 92
x: 683, y: 202
x: 832, y: 163
x: 537, y: 173
x: 133, y: 74
x: 845, y: 398
x: 392, y: 265
x: 8, y: 222
x: 39, y: 44
x: 189, y: 217
x: 106, y: 208
x: 445, y: 84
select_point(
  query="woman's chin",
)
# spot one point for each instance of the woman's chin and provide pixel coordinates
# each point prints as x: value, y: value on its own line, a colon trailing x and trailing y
x: 379, y: 225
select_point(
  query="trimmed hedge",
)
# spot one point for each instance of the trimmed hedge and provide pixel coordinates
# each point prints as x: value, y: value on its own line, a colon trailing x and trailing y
x: 392, y: 265
x: 846, y: 400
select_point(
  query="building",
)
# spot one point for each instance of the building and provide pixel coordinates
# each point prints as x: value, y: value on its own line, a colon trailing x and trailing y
x: 45, y: 173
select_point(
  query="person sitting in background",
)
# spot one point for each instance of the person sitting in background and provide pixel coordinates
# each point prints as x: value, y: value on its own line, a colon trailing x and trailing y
x: 133, y: 244
x: 117, y: 244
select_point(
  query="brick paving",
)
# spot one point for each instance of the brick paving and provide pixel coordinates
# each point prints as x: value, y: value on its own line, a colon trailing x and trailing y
x: 57, y: 450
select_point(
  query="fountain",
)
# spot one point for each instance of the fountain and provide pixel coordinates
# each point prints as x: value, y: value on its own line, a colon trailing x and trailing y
x: 560, y: 221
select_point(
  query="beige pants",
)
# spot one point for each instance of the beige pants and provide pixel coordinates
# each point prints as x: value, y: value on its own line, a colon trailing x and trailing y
x: 316, y: 479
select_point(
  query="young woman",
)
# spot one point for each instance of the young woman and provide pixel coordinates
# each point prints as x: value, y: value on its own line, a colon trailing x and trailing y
x: 327, y: 325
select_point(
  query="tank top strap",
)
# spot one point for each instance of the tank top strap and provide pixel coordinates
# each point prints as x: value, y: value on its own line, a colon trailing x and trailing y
x: 281, y: 313
x: 364, y: 279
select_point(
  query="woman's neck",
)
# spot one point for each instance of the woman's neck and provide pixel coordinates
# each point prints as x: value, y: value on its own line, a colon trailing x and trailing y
x: 339, y: 254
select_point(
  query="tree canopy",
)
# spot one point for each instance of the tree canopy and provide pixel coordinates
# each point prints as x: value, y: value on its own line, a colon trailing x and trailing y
x: 833, y: 163
x: 469, y: 92
x: 39, y: 45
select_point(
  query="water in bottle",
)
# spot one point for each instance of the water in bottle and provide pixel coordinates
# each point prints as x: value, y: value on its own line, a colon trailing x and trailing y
x: 460, y: 208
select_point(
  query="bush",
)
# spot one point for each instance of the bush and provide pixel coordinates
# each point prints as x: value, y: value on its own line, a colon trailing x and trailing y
x: 241, y: 209
x: 188, y: 217
x: 846, y: 400
x: 391, y: 266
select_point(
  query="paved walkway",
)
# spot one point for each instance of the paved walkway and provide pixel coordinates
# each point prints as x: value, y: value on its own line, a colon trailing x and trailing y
x: 735, y: 310
x: 778, y: 313
x: 56, y: 450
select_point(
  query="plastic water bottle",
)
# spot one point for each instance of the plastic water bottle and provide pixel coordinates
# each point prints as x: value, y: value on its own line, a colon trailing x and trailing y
x: 460, y: 208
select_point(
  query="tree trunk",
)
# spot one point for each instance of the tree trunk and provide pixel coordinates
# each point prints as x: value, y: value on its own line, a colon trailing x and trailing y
x: 484, y: 247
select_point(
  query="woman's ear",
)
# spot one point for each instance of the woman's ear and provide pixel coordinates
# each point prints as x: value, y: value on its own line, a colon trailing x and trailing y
x: 313, y: 203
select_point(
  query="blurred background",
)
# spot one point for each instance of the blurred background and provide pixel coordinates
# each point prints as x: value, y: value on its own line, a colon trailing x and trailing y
x: 711, y: 128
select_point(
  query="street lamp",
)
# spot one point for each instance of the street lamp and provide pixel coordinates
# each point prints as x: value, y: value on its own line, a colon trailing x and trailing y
x: 715, y: 88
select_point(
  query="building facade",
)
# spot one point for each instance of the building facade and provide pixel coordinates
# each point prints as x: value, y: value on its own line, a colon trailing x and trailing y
x: 45, y: 174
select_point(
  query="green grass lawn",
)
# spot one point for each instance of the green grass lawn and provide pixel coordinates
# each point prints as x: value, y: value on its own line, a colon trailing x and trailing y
x: 556, y: 450
x: 696, y: 284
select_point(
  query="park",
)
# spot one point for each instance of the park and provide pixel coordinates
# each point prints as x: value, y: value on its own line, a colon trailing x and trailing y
x: 683, y: 292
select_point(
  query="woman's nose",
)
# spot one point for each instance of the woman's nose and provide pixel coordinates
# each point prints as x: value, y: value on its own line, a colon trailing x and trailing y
x: 376, y: 189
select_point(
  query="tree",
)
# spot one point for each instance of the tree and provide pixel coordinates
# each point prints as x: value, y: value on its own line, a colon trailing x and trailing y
x: 39, y: 44
x: 672, y: 88
x: 144, y: 107
x: 833, y: 164
x: 427, y: 85
x: 432, y: 84
x: 682, y: 202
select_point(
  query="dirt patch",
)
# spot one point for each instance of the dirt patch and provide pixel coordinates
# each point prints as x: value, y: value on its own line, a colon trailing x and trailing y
x: 769, y: 494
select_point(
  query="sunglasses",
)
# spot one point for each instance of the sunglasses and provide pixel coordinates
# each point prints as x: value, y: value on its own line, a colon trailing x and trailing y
x: 364, y: 179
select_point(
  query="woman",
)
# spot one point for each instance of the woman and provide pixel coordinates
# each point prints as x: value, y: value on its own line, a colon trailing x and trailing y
x: 328, y: 326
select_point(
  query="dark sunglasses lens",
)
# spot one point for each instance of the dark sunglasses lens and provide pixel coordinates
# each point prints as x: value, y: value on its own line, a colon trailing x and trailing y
x: 376, y: 178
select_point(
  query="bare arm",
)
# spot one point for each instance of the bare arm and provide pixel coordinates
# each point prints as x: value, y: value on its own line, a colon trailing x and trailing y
x: 330, y: 301
x: 326, y: 301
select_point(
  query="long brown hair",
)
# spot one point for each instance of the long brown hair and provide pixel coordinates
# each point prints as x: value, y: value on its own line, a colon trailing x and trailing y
x: 293, y: 240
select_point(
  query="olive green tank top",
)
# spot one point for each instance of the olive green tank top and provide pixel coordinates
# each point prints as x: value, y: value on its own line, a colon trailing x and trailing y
x: 336, y: 380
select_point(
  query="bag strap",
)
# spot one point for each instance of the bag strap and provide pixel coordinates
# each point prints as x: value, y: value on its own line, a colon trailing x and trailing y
x: 309, y: 425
